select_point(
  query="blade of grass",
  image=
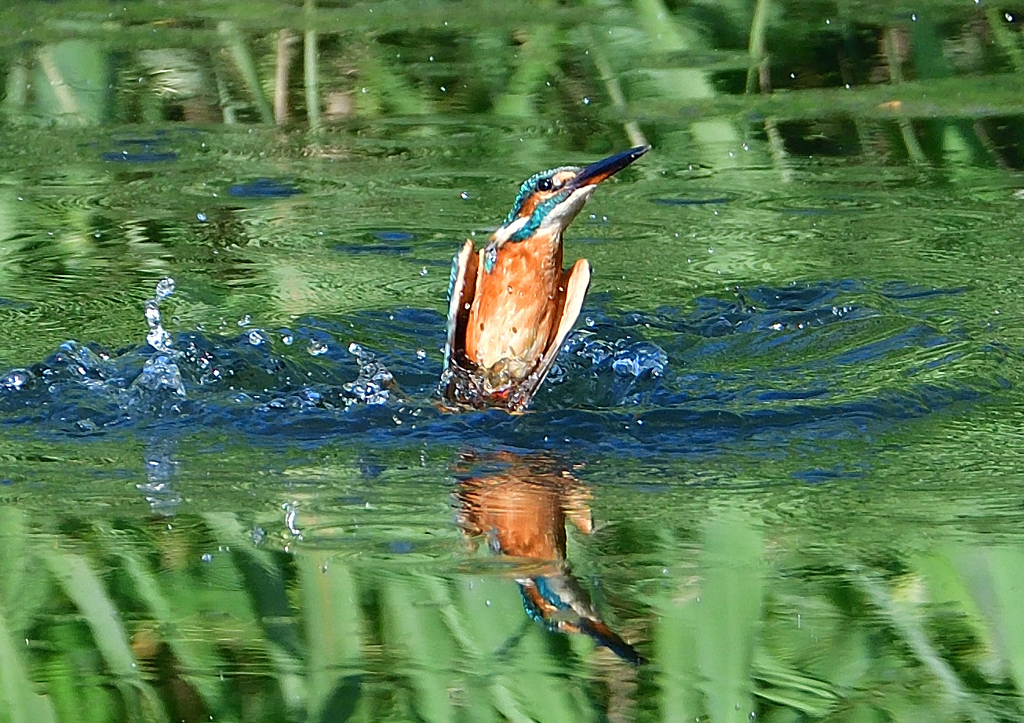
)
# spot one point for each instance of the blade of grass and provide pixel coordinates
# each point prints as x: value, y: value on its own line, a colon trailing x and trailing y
x: 309, y: 68
x: 21, y: 591
x: 729, y: 614
x: 906, y: 622
x: 285, y: 51
x: 269, y: 600
x: 675, y: 643
x: 15, y: 99
x: 997, y: 576
x: 419, y: 632
x: 198, y: 659
x: 246, y: 68
x: 22, y: 702
x: 330, y: 602
x: 83, y: 587
x: 536, y: 59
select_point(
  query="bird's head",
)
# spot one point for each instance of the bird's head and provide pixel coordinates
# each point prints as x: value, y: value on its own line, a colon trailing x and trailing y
x: 549, y: 201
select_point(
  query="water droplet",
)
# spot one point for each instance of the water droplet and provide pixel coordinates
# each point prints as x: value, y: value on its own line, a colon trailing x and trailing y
x: 316, y: 347
x: 207, y: 557
x: 421, y: 353
x: 586, y: 100
x: 464, y: 195
x: 15, y: 379
x: 291, y: 512
x: 159, y: 339
x: 423, y: 271
x: 201, y: 217
x: 256, y: 337
x: 164, y: 288
x: 245, y: 320
x: 510, y: 288
x: 287, y: 339
x: 152, y: 313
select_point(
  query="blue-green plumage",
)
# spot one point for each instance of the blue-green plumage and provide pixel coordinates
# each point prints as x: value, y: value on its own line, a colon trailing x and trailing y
x: 528, y: 188
x: 540, y: 212
x: 511, y: 304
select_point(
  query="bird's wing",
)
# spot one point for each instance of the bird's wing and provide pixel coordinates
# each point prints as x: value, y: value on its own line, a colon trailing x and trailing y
x: 461, y: 290
x: 577, y: 281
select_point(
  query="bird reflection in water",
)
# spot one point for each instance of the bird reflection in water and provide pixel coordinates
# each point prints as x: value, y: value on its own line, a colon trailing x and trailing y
x: 520, y: 506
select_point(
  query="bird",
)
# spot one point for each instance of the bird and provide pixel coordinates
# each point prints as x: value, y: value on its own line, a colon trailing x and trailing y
x: 520, y: 504
x: 511, y: 304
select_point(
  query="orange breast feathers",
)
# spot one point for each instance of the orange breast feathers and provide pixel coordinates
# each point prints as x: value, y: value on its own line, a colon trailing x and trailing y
x: 517, y: 305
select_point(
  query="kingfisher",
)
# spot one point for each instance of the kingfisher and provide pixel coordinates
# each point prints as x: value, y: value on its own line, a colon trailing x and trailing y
x: 521, y: 509
x: 511, y: 304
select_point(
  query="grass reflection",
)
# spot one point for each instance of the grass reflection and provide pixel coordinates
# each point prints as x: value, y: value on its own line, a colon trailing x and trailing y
x: 184, y: 617
x: 660, y: 61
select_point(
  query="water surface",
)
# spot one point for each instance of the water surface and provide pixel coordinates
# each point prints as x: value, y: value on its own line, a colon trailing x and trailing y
x: 775, y: 470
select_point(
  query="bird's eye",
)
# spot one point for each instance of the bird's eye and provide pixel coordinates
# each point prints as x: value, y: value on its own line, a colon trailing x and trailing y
x: 544, y: 184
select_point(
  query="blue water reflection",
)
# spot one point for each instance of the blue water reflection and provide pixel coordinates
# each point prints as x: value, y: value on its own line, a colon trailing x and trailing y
x: 831, y: 363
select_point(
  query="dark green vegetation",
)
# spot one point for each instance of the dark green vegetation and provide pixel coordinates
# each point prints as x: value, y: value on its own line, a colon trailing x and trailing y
x: 813, y: 510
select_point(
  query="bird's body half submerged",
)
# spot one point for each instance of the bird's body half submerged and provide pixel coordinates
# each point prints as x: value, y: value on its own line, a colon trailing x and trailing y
x: 511, y: 304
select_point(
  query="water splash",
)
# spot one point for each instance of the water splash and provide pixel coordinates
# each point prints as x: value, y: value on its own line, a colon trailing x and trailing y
x: 764, y: 365
x: 374, y: 381
x: 160, y: 372
x: 158, y: 337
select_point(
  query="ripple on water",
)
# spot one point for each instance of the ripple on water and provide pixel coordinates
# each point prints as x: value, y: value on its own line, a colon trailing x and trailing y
x: 807, y: 362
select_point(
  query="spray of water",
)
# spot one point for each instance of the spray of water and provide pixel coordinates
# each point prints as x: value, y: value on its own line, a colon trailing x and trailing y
x: 160, y: 372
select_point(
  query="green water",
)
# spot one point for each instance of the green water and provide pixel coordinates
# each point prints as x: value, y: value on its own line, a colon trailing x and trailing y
x: 810, y: 512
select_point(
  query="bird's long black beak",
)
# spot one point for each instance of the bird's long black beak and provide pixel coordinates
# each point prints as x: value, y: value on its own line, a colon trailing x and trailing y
x: 597, y: 172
